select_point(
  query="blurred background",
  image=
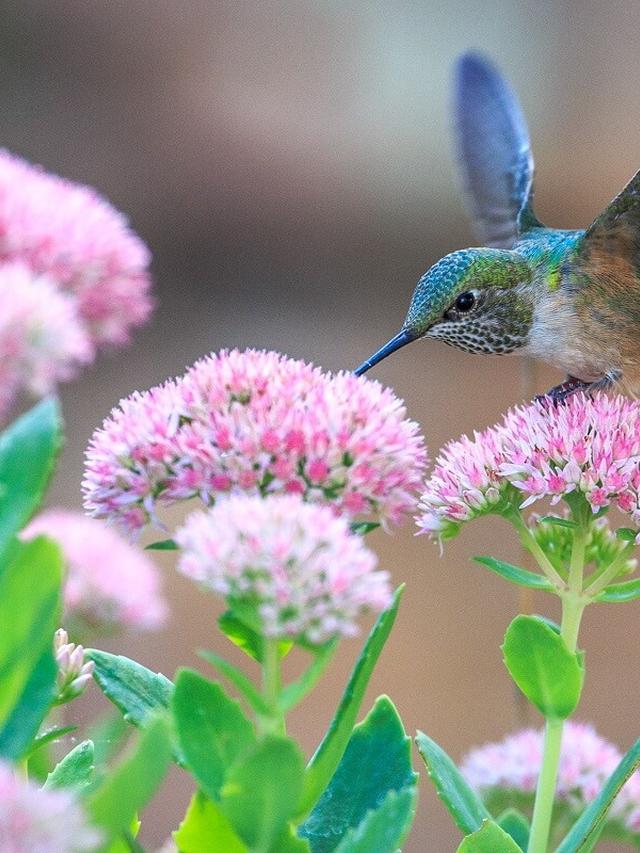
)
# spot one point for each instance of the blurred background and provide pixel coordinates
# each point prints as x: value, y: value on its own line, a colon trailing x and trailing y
x: 289, y: 165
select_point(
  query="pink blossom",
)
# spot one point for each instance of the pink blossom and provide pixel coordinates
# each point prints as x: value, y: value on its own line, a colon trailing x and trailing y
x: 42, y: 341
x: 296, y: 565
x: 586, y: 762
x: 80, y: 241
x: 39, y: 820
x: 261, y: 423
x: 74, y: 672
x: 109, y: 583
x: 589, y: 444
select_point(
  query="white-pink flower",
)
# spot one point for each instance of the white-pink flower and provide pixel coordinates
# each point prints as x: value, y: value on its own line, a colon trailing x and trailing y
x: 109, y: 583
x: 42, y: 340
x: 296, y: 566
x: 258, y: 423
x: 512, y: 766
x: 589, y: 445
x: 74, y: 236
x: 74, y: 672
x: 38, y: 820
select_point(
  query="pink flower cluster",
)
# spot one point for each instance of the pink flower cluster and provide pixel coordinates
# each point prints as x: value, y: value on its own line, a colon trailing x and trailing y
x: 109, y: 583
x: 38, y: 820
x: 295, y: 565
x: 588, y: 444
x: 586, y: 762
x: 259, y: 423
x: 74, y: 672
x: 73, y: 277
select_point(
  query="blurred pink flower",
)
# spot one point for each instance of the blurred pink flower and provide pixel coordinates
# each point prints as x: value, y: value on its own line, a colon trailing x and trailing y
x: 39, y: 820
x: 298, y: 565
x: 109, y: 583
x: 42, y: 341
x: 80, y: 241
x: 260, y: 423
x: 588, y: 444
x: 586, y: 762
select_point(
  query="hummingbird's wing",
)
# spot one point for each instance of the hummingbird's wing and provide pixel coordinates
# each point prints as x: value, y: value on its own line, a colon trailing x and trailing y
x: 494, y: 152
x: 621, y: 215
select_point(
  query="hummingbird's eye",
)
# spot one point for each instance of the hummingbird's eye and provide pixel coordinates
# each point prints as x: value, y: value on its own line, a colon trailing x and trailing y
x: 465, y: 302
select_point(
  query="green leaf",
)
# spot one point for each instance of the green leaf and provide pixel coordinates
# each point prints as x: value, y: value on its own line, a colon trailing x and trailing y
x: 377, y: 760
x: 109, y: 732
x: 364, y: 527
x: 49, y: 736
x: 262, y: 789
x: 627, y: 534
x: 515, y: 574
x: 490, y: 838
x: 29, y: 612
x: 246, y: 638
x: 28, y: 450
x: 461, y: 801
x: 293, y: 693
x: 75, y: 770
x: 544, y: 669
x: 212, y: 730
x: 206, y: 828
x: 239, y: 681
x: 327, y: 756
x: 126, y: 789
x: 618, y: 592
x: 163, y: 545
x: 559, y: 522
x: 516, y: 825
x: 134, y: 689
x: 587, y: 828
x: 382, y: 830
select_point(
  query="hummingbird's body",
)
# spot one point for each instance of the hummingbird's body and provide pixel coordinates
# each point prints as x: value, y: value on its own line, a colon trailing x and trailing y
x: 570, y: 298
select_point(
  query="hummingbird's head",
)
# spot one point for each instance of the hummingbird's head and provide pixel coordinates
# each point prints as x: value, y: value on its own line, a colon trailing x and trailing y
x: 478, y: 300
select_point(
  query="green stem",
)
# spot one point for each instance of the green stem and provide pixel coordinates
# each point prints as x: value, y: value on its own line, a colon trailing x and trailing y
x: 609, y: 574
x: 529, y: 542
x: 573, y: 604
x: 273, y: 722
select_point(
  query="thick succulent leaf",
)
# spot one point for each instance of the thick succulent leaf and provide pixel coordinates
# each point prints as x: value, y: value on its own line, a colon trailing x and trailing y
x: 490, y: 838
x: 327, y: 756
x: 544, y: 669
x: 75, y: 770
x: 377, y: 760
x: 262, y: 790
x: 617, y: 593
x: 205, y: 827
x: 515, y: 574
x: 212, y: 731
x: 125, y: 790
x: 383, y: 829
x: 587, y: 828
x: 30, y: 604
x: 135, y: 690
x: 462, y: 802
x: 28, y: 451
x: 516, y: 825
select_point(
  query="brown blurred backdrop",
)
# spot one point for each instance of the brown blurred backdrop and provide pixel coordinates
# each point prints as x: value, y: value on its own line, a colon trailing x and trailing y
x: 289, y: 165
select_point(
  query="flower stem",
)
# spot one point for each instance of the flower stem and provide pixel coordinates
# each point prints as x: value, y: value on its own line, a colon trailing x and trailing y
x: 529, y: 542
x: 573, y: 604
x: 273, y: 723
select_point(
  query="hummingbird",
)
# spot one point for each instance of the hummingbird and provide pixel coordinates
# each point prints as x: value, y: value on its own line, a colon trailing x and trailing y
x: 569, y: 298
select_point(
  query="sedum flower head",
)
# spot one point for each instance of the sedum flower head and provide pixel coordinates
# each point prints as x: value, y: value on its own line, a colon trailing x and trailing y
x: 74, y: 672
x: 37, y: 820
x: 588, y: 445
x: 110, y: 583
x: 507, y: 772
x: 259, y: 423
x: 73, y: 235
x: 295, y: 566
x: 42, y: 340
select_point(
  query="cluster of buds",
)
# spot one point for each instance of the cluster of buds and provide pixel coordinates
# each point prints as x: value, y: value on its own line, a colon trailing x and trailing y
x: 74, y: 672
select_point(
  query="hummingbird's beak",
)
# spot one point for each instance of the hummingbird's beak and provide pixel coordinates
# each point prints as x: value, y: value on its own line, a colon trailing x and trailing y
x: 401, y: 339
